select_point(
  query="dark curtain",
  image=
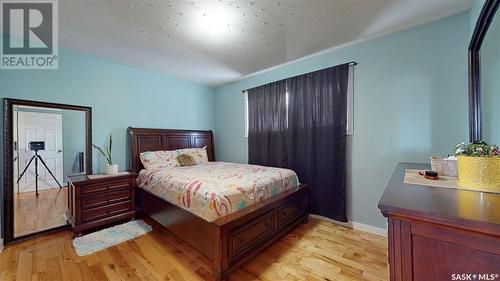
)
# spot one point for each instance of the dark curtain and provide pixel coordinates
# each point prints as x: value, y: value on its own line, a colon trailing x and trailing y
x: 267, y: 125
x: 316, y: 137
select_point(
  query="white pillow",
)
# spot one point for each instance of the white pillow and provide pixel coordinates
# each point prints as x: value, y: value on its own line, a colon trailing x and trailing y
x: 159, y: 159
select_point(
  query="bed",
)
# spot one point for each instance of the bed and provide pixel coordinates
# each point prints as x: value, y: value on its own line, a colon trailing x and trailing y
x: 228, y: 237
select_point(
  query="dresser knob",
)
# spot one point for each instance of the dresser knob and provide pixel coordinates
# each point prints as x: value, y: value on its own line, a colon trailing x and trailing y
x: 240, y: 240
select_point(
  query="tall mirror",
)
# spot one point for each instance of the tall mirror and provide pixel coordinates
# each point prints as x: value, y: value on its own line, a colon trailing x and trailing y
x: 45, y: 144
x: 490, y: 82
x: 484, y: 68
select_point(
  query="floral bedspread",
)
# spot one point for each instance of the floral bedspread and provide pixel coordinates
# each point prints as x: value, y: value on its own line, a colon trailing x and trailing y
x: 216, y: 189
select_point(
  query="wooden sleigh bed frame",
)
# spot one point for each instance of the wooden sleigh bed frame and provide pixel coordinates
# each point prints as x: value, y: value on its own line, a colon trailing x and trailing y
x: 227, y: 242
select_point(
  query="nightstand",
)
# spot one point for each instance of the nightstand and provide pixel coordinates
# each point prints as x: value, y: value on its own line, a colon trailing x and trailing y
x: 95, y: 202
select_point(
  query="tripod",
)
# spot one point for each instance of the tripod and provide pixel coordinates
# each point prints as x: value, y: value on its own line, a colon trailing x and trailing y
x: 36, y: 157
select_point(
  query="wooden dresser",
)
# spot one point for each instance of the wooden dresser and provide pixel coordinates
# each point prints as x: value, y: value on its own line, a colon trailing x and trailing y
x: 440, y: 233
x: 98, y: 202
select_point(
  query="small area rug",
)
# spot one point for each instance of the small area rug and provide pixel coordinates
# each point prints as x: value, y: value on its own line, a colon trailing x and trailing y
x: 108, y: 237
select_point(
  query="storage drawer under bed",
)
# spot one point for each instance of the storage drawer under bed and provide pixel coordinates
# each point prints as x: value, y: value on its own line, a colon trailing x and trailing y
x: 290, y: 210
x: 251, y: 235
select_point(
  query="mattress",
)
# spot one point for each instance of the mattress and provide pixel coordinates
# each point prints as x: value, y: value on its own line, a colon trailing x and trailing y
x: 216, y: 189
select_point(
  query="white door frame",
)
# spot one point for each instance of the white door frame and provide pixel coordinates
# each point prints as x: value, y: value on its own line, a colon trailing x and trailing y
x: 53, y: 155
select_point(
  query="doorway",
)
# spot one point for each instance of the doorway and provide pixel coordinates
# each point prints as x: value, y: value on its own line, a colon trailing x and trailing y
x: 45, y: 127
x: 40, y: 201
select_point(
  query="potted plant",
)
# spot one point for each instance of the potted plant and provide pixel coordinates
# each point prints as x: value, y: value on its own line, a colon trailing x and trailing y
x: 111, y: 168
x: 478, y: 166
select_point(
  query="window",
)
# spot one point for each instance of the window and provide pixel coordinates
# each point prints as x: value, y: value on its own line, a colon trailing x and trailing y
x: 350, y: 101
x: 245, y: 93
x: 350, y: 104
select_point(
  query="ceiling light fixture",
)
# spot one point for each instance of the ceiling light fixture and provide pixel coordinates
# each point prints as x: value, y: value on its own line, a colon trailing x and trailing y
x: 214, y: 20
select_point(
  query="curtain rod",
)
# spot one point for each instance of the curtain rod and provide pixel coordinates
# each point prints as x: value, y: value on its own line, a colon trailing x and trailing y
x: 349, y: 63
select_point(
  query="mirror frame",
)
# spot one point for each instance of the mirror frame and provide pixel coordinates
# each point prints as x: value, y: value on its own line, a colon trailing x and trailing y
x: 8, y: 157
x: 483, y: 23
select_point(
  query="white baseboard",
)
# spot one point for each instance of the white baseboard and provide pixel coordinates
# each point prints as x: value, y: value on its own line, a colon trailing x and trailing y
x: 355, y: 225
x: 369, y: 228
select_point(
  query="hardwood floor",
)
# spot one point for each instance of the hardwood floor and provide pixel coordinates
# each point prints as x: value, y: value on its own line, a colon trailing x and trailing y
x: 317, y: 250
x: 33, y: 214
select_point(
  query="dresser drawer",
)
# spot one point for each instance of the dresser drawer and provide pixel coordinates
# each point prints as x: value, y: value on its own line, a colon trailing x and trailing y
x: 91, y: 202
x: 105, y: 186
x: 289, y: 211
x: 243, y: 239
x: 106, y: 211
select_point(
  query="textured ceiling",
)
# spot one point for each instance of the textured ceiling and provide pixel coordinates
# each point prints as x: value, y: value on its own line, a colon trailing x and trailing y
x: 217, y: 41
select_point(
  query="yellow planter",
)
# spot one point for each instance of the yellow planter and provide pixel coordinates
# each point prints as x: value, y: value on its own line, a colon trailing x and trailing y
x: 481, y: 173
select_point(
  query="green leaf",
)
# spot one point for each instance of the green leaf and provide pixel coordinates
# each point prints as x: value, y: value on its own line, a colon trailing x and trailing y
x: 107, y: 154
x: 110, y: 144
x: 477, y: 149
x: 100, y: 150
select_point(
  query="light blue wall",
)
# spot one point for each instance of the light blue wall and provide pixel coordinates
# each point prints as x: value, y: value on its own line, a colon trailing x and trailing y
x: 410, y: 102
x: 120, y: 96
x: 73, y: 131
x: 490, y: 83
x: 477, y: 5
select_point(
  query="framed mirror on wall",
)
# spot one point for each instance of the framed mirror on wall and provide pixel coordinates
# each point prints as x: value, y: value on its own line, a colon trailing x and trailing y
x: 484, y: 70
x: 44, y: 143
x: 490, y: 82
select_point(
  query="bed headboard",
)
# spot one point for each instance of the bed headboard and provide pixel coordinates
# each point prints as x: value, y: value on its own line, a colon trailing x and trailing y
x: 143, y: 139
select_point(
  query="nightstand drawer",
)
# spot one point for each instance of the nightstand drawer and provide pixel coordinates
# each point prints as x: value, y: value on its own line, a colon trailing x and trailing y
x: 118, y: 184
x: 119, y: 209
x: 104, y: 212
x: 92, y: 188
x: 105, y: 199
x: 100, y: 201
x: 106, y: 186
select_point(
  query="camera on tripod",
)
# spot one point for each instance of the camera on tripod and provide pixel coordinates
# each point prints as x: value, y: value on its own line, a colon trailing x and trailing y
x: 37, y: 145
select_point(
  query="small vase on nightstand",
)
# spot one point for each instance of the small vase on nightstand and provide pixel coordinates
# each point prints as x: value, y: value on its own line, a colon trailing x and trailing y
x: 111, y: 169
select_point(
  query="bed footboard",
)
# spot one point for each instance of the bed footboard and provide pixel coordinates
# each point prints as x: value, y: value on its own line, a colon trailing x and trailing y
x: 244, y: 236
x: 232, y: 240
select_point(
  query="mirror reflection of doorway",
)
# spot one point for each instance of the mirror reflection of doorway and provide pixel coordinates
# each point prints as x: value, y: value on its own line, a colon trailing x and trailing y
x: 39, y: 127
x: 40, y: 202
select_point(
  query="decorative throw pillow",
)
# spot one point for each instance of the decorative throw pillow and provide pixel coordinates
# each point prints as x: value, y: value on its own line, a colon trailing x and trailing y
x: 186, y: 160
x: 199, y: 154
x: 159, y: 159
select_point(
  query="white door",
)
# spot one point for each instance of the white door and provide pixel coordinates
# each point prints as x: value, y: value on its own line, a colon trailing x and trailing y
x: 47, y: 127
